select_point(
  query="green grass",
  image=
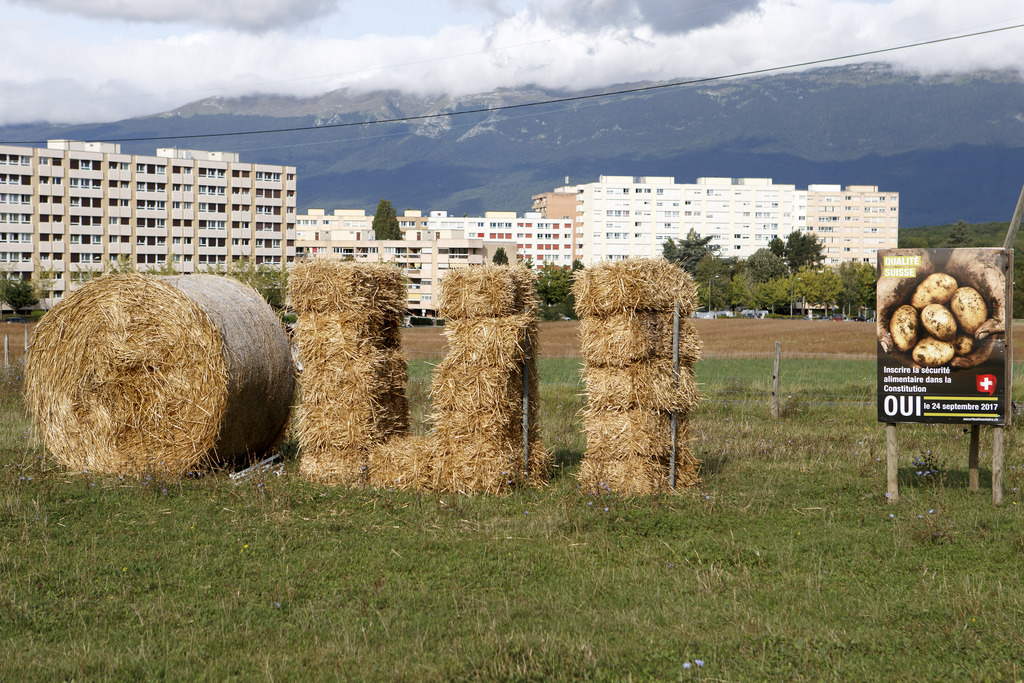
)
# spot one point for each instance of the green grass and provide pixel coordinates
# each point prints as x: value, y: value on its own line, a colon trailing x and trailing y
x: 785, y: 563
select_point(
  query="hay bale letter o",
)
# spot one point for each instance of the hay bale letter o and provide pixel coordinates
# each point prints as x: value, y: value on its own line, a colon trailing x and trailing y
x: 135, y: 374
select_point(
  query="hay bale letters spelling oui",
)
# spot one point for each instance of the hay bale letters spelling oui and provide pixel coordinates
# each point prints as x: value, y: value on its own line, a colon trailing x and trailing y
x: 626, y: 329
x: 354, y: 373
x: 135, y: 374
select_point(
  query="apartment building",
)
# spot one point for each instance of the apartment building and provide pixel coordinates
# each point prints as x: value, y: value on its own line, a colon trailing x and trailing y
x: 72, y: 208
x: 316, y: 231
x: 623, y: 216
x: 853, y: 222
x: 541, y: 240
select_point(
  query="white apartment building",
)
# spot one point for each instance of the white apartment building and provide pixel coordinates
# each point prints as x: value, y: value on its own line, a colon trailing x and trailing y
x: 622, y: 216
x: 73, y: 208
x: 854, y: 222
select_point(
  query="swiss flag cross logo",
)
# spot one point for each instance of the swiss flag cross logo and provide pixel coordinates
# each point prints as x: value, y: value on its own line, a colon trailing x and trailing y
x: 986, y: 383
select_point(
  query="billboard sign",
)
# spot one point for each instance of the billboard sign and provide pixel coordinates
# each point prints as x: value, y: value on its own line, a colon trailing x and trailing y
x: 943, y: 335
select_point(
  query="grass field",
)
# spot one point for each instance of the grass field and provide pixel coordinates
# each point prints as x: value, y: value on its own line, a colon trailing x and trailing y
x: 786, y: 562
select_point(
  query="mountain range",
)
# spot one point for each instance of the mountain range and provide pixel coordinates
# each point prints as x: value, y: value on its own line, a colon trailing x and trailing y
x: 951, y: 145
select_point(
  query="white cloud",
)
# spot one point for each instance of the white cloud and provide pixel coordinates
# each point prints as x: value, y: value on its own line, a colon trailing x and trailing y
x: 660, y: 16
x: 51, y: 70
x: 250, y: 15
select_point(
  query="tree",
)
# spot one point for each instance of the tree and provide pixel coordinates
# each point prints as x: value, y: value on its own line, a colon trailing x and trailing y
x: 712, y: 277
x: 688, y: 252
x: 45, y: 281
x: 820, y: 287
x: 858, y: 285
x: 802, y: 250
x: 738, y: 293
x: 773, y: 294
x: 958, y: 235
x: 777, y: 247
x: 17, y: 294
x: 385, y: 222
x: 270, y: 281
x: 500, y: 258
x: 553, y: 283
x: 763, y: 266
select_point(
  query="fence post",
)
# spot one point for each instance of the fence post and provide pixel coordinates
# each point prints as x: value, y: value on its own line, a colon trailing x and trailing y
x: 7, y: 350
x: 775, y: 380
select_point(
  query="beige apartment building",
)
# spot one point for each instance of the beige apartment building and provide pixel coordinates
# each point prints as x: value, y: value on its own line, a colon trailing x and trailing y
x: 72, y: 209
x: 433, y: 245
x: 854, y: 222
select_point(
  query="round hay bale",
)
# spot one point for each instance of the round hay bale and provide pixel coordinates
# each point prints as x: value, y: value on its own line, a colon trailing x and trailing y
x: 136, y: 374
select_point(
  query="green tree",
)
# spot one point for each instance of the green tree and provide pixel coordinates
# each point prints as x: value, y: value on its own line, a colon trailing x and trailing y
x: 763, y: 266
x: 689, y: 251
x: 773, y: 294
x: 858, y: 285
x: 45, y: 281
x: 712, y: 278
x: 958, y: 235
x: 803, y: 250
x: 777, y: 247
x: 500, y: 258
x: 553, y: 283
x: 17, y: 293
x: 385, y: 222
x: 819, y: 287
x: 269, y: 280
x: 738, y: 293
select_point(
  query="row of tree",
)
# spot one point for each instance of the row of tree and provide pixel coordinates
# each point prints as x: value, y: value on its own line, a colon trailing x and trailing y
x: 775, y: 278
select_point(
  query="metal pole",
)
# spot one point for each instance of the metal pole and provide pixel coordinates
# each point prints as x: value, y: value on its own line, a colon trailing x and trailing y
x: 775, y: 380
x: 7, y: 350
x: 675, y: 413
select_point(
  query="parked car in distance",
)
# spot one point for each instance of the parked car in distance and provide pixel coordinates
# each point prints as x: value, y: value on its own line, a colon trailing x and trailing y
x: 15, y: 319
x: 838, y: 317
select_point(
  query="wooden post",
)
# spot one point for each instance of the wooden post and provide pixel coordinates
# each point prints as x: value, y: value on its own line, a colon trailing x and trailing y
x: 997, y: 466
x: 997, y: 431
x: 7, y: 350
x: 675, y: 413
x: 775, y: 380
x: 26, y: 337
x: 972, y: 458
x: 891, y: 464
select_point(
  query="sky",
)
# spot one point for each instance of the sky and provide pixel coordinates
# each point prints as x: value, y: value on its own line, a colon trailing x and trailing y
x: 78, y: 61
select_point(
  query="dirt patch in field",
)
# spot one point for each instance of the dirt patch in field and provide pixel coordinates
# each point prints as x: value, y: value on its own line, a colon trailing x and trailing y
x: 721, y: 337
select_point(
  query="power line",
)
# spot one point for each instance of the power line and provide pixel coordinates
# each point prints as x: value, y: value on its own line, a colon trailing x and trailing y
x: 562, y: 100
